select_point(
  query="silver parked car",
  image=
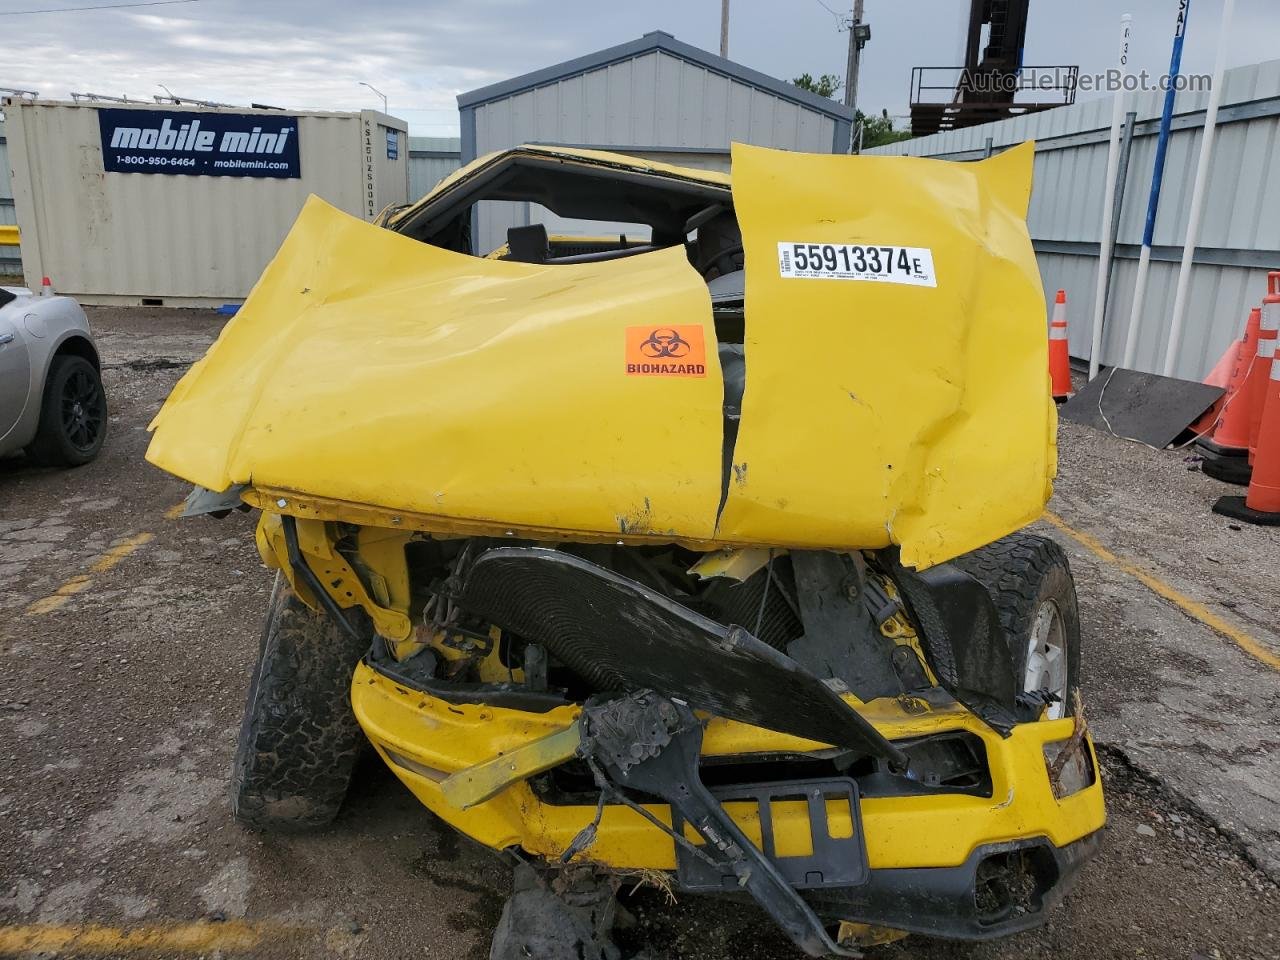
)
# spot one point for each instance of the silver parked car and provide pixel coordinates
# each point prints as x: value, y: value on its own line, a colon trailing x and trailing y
x: 51, y: 398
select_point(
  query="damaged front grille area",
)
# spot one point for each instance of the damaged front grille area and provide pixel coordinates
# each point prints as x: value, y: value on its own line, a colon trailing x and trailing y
x: 771, y: 640
x: 835, y: 855
x: 764, y: 603
x: 830, y: 613
x: 622, y: 636
x: 640, y: 638
x: 956, y: 760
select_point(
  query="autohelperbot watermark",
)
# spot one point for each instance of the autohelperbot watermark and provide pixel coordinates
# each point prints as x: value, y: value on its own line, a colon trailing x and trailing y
x: 1067, y: 78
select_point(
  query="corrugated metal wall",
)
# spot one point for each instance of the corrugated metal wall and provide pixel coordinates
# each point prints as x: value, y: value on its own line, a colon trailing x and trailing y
x: 119, y: 237
x: 431, y: 159
x: 10, y: 259
x: 7, y: 216
x: 652, y: 102
x: 1239, y: 237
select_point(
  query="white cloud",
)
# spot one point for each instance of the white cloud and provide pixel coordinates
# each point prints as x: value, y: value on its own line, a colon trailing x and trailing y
x: 309, y: 54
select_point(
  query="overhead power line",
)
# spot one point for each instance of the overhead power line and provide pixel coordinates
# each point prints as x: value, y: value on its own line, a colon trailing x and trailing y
x: 108, y: 6
x: 840, y: 18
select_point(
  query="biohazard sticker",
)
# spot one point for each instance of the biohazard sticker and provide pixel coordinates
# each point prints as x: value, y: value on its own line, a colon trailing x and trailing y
x: 854, y: 261
x: 666, y: 351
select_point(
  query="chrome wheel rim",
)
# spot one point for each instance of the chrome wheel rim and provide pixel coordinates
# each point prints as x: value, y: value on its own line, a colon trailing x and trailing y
x: 1047, y: 658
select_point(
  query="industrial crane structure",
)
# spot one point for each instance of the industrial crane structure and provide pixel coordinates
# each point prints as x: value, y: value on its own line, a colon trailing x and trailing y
x: 993, y: 83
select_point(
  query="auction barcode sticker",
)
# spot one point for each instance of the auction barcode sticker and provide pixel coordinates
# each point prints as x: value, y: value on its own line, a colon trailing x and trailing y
x: 851, y: 261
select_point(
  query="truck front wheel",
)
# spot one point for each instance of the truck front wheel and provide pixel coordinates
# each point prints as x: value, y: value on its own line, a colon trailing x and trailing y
x: 299, y: 740
x: 1030, y: 582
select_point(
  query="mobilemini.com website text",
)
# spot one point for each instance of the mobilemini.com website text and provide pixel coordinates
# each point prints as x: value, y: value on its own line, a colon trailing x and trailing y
x: 1065, y: 78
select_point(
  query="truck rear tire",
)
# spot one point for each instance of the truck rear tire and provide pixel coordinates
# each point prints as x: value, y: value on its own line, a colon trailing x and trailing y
x: 299, y: 740
x: 1030, y: 582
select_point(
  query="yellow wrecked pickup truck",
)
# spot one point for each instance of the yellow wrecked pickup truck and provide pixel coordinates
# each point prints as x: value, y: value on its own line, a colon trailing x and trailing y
x: 692, y: 556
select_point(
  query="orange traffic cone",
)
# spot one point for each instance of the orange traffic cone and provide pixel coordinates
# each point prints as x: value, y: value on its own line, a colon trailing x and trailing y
x: 1059, y: 359
x: 1232, y: 432
x: 1226, y: 449
x: 1261, y: 505
x: 1260, y: 374
x: 1219, y: 376
x: 46, y: 288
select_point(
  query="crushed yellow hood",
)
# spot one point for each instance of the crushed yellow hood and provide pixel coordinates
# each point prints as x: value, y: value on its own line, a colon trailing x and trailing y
x: 369, y: 370
x: 891, y: 412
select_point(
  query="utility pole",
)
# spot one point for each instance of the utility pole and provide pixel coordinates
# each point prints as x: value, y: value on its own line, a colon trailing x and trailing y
x: 859, y: 34
x: 724, y: 28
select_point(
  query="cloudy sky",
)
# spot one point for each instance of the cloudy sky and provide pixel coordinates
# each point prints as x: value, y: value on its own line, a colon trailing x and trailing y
x: 310, y: 54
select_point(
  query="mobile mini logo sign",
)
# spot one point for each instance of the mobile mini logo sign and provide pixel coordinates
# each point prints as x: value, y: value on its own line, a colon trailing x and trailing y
x: 200, y: 144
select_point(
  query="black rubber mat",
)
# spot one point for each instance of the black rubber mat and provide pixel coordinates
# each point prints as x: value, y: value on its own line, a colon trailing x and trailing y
x: 1140, y: 406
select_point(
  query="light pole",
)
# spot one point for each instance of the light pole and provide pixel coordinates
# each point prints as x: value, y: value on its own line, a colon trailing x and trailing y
x: 859, y: 34
x: 377, y: 91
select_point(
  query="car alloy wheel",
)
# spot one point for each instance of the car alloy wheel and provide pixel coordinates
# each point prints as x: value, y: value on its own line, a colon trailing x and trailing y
x: 84, y: 409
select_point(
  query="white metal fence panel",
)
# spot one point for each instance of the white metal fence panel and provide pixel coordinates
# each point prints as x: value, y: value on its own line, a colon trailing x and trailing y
x: 1240, y: 233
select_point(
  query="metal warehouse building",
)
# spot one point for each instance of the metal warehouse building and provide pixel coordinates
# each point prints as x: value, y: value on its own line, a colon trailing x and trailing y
x: 654, y: 97
x: 431, y: 159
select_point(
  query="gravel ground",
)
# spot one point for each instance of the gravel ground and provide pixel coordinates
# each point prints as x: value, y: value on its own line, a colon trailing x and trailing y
x: 119, y: 709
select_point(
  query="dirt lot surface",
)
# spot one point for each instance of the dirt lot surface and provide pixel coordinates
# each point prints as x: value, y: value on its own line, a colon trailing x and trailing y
x: 120, y: 697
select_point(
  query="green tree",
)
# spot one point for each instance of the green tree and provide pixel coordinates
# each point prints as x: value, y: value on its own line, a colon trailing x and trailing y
x: 877, y: 131
x: 827, y: 85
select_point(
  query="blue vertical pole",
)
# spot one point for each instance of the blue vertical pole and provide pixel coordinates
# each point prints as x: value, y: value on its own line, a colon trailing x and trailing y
x: 1157, y: 178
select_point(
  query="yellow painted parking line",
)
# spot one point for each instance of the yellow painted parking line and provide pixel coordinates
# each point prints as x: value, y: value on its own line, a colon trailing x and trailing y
x: 1192, y: 608
x: 119, y: 552
x: 60, y: 596
x: 174, y: 512
x: 82, y: 581
x: 232, y: 936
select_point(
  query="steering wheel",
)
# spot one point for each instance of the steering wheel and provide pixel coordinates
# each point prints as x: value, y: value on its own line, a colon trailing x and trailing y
x: 724, y: 261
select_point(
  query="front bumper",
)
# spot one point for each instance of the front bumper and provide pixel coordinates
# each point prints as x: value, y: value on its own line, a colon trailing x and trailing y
x: 926, y: 852
x: 1002, y: 888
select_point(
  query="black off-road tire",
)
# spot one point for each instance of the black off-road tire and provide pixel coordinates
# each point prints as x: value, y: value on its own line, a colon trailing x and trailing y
x: 55, y: 445
x: 299, y: 740
x: 1021, y: 572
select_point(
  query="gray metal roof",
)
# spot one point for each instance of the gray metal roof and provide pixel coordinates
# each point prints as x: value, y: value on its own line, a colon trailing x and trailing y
x: 656, y: 40
x: 436, y: 146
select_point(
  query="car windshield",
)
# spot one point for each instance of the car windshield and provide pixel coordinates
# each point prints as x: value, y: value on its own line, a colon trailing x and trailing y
x: 542, y: 206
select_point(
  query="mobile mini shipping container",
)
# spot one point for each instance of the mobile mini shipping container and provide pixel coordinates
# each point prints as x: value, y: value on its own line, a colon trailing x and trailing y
x: 184, y: 206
